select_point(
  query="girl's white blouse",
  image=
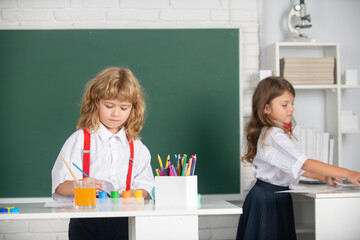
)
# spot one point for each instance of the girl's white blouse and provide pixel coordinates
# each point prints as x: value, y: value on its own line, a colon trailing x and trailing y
x: 278, y: 161
x: 109, y: 162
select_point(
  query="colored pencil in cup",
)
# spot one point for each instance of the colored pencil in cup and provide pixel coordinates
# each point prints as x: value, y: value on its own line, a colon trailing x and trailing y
x: 173, y: 170
x: 193, y: 166
x: 161, y: 165
x: 176, y: 159
x: 189, y: 166
x: 179, y: 167
x: 167, y: 161
x: 184, y: 166
x: 171, y: 173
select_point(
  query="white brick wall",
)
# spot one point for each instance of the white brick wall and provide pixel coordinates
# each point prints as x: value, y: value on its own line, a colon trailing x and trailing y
x: 198, y: 4
x: 15, y: 226
x: 34, y: 229
x: 141, y: 4
x: 42, y: 4
x: 37, y: 226
x: 218, y: 227
x: 57, y: 14
x: 96, y: 4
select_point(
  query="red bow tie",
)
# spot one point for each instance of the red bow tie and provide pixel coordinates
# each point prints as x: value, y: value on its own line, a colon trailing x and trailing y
x: 287, y: 126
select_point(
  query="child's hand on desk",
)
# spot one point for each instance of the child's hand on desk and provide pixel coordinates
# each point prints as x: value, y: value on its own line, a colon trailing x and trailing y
x: 98, y: 185
x: 353, y: 177
x: 331, y: 181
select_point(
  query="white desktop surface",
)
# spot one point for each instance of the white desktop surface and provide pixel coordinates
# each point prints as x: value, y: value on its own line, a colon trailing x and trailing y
x: 38, y: 211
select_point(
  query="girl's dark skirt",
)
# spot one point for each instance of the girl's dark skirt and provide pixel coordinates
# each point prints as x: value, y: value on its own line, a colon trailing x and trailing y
x: 266, y: 214
x: 98, y: 228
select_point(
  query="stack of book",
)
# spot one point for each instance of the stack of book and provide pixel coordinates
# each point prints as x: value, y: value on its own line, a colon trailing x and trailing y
x: 315, y: 144
x: 314, y: 70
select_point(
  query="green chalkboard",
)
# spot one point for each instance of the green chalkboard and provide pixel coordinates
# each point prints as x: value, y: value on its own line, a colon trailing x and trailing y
x: 191, y: 82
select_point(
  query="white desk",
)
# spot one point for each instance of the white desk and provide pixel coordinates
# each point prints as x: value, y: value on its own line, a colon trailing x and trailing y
x: 337, y: 213
x: 145, y: 222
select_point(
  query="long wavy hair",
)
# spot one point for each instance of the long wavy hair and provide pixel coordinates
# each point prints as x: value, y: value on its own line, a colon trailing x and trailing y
x: 267, y: 89
x: 113, y: 83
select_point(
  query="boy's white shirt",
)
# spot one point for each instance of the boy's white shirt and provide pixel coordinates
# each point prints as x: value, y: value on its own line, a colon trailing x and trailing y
x: 109, y: 162
x: 278, y: 161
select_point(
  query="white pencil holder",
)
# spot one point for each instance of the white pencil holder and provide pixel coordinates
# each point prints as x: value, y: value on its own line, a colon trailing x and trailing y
x: 176, y: 191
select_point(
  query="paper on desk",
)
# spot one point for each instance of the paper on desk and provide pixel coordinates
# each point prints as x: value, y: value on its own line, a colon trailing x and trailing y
x: 351, y: 185
x: 58, y: 204
x: 321, y: 188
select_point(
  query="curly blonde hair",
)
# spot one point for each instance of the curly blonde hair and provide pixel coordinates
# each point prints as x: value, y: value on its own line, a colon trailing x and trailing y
x: 267, y: 89
x: 113, y: 83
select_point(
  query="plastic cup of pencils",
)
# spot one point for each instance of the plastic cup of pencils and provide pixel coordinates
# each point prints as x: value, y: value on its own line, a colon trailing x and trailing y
x: 85, y: 194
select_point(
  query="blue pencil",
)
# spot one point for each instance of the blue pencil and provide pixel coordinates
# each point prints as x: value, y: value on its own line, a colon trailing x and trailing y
x: 173, y: 170
x: 80, y: 170
x: 176, y: 159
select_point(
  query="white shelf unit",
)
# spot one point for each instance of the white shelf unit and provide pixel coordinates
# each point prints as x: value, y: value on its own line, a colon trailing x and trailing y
x: 327, y: 97
x: 317, y: 106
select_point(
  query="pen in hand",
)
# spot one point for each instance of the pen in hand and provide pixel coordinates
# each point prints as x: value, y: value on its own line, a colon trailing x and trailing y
x: 88, y: 176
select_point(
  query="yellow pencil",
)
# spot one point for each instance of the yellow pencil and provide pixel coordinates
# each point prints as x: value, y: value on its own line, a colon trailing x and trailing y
x: 72, y: 173
x: 161, y: 165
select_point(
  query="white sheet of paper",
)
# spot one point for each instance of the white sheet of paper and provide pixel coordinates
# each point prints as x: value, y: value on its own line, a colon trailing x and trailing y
x: 58, y: 204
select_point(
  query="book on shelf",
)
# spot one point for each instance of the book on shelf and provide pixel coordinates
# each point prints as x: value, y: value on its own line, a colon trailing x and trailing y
x: 331, y: 151
x: 315, y: 144
x: 313, y: 70
x: 325, y: 151
x: 310, y: 143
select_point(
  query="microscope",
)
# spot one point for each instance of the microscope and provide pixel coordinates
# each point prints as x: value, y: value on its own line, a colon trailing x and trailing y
x: 302, y: 20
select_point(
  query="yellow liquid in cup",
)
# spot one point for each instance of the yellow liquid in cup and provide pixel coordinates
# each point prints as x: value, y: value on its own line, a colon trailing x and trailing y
x: 85, y: 197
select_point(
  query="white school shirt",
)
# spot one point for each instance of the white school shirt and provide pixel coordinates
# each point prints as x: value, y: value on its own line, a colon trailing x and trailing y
x: 109, y: 161
x: 278, y: 161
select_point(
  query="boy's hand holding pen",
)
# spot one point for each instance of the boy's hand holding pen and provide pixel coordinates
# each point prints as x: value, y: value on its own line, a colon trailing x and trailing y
x: 98, y: 185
